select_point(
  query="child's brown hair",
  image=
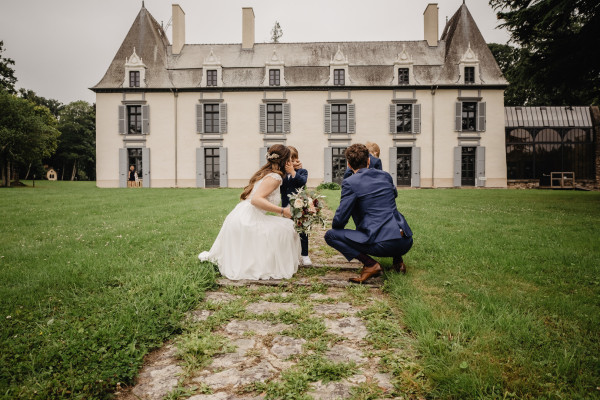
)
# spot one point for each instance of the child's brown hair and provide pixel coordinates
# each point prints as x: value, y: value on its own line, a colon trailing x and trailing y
x: 293, y: 153
x: 373, y: 148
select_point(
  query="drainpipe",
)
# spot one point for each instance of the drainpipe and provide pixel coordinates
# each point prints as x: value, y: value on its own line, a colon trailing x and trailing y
x: 433, y: 89
x: 176, y: 96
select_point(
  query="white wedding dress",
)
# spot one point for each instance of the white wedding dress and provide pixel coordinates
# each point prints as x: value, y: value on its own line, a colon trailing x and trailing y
x: 253, y: 245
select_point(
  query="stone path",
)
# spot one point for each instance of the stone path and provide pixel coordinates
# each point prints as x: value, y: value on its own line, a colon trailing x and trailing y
x: 315, y: 336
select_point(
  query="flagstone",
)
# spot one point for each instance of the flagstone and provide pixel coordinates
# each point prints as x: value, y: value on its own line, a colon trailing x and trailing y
x: 220, y: 297
x: 263, y: 307
x: 334, y: 309
x: 260, y: 328
x: 341, y: 353
x: 285, y: 346
x: 352, y: 328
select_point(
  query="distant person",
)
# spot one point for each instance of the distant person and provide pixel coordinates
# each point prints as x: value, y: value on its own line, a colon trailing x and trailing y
x: 375, y: 161
x: 133, y: 177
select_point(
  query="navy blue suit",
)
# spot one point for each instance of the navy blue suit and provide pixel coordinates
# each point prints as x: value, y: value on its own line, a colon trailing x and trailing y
x: 290, y: 186
x: 375, y: 164
x: 369, y: 197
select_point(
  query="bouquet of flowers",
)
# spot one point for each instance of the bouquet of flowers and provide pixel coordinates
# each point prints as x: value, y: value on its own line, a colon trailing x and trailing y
x: 306, y: 210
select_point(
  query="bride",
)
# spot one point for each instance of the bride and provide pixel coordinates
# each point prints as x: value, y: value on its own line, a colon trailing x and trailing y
x: 252, y: 244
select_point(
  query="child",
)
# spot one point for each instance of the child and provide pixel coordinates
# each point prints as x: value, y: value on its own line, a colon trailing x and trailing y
x: 294, y: 179
x: 375, y: 162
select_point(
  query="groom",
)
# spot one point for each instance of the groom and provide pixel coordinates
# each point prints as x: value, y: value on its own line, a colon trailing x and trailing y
x: 369, y: 197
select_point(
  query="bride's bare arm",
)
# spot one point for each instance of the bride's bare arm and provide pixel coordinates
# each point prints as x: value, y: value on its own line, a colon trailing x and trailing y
x: 259, y: 199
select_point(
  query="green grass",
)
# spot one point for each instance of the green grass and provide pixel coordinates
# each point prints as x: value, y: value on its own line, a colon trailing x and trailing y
x: 93, y: 279
x: 502, y: 291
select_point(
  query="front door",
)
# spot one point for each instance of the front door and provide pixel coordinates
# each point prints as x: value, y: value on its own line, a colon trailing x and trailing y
x: 403, y: 166
x: 211, y: 167
x: 468, y: 166
x: 135, y: 158
x: 339, y: 164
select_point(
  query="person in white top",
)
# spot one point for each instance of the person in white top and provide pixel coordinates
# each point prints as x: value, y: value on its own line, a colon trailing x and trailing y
x: 251, y: 244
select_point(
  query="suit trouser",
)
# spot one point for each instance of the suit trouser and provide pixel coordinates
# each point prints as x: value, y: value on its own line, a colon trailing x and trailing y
x: 396, y: 248
x: 304, y: 244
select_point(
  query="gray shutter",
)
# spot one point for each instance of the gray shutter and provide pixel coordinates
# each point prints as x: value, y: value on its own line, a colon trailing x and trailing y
x: 457, y: 166
x: 480, y: 166
x: 351, y: 118
x: 123, y: 167
x: 458, y: 116
x: 223, y: 118
x: 415, y: 167
x: 481, y: 116
x: 328, y: 161
x: 393, y: 164
x: 262, y: 111
x: 122, y: 120
x: 286, y: 118
x: 262, y: 156
x: 146, y: 166
x: 416, y: 118
x: 145, y: 119
x: 327, y: 118
x: 223, y: 167
x: 392, y: 118
x: 199, y: 115
x: 200, y: 168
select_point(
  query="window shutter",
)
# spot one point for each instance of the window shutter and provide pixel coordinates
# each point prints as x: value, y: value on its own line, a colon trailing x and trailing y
x: 328, y: 164
x: 223, y: 118
x: 123, y: 167
x: 481, y: 116
x: 286, y: 117
x: 145, y: 119
x: 146, y: 167
x: 199, y: 115
x: 223, y: 166
x: 262, y: 111
x: 392, y: 118
x: 416, y: 118
x: 480, y: 166
x: 457, y: 166
x: 200, y: 173
x: 327, y: 118
x: 351, y: 118
x: 415, y: 167
x: 458, y: 116
x: 122, y: 120
x: 262, y: 156
x: 393, y: 164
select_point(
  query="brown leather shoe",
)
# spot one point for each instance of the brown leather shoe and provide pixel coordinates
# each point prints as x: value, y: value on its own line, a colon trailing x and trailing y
x: 400, y: 267
x: 366, y: 273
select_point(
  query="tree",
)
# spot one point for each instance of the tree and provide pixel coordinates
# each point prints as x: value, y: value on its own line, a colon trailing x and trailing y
x: 53, y: 105
x: 27, y: 133
x: 7, y: 74
x: 276, y: 33
x: 560, y: 39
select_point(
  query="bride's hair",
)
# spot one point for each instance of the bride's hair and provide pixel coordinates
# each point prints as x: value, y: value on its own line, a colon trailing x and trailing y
x: 277, y: 156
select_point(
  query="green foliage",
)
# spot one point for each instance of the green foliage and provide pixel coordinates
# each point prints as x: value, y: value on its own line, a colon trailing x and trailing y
x: 329, y: 186
x: 53, y: 105
x: 197, y: 347
x: 7, y: 73
x: 276, y: 33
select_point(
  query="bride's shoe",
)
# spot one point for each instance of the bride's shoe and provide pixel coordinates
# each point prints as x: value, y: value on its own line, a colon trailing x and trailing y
x: 305, y: 261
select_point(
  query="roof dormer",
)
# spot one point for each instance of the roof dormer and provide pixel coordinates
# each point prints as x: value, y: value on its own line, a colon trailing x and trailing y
x: 135, y: 71
x: 212, y: 71
x: 274, y: 71
x: 403, y: 69
x: 338, y: 70
x: 469, y: 68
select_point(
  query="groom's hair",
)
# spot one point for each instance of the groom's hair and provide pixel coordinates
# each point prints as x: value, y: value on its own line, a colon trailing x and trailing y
x: 357, y: 156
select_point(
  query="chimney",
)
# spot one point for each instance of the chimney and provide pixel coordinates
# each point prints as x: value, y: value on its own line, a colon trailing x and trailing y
x: 430, y: 17
x: 247, y: 28
x: 178, y: 29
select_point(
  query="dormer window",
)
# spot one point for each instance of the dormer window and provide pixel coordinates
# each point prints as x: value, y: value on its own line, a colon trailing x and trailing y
x: 134, y: 78
x: 469, y: 74
x: 274, y: 77
x: 339, y: 77
x: 211, y: 77
x: 403, y: 76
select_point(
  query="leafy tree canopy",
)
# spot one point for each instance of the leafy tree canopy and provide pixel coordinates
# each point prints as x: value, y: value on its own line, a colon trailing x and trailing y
x: 276, y: 33
x: 7, y: 73
x: 53, y: 105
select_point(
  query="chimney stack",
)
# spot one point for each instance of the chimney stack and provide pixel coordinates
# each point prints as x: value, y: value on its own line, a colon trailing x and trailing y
x: 247, y: 28
x: 178, y: 29
x: 430, y: 17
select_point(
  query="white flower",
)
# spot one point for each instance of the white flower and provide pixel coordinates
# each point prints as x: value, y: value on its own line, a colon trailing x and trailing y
x: 298, y: 203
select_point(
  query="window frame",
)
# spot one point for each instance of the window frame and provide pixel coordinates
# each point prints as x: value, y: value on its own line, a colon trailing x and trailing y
x: 274, y: 77
x: 211, y: 77
x: 339, y: 118
x: 339, y: 77
x: 465, y: 119
x: 407, y: 113
x: 469, y: 75
x: 211, y: 110
x: 274, y: 118
x: 403, y: 76
x: 134, y: 112
x: 134, y: 79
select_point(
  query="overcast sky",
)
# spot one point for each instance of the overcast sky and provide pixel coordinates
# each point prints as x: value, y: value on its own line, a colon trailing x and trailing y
x: 63, y: 47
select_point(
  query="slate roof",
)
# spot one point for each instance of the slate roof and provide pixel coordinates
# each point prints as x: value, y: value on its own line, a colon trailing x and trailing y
x: 306, y: 64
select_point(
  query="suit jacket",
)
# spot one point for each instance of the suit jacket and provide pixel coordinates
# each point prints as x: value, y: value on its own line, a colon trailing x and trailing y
x: 375, y: 164
x: 369, y: 197
x: 291, y: 185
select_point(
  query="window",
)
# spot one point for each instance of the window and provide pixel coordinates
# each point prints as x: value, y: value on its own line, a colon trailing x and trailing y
x: 469, y: 74
x: 134, y: 119
x: 402, y: 76
x: 403, y: 166
x: 339, y: 77
x: 467, y: 174
x: 211, y: 77
x: 274, y: 118
x: 339, y: 118
x: 274, y: 77
x: 134, y: 157
x: 469, y: 112
x: 134, y: 78
x: 339, y: 164
x: 403, y: 118
x: 211, y: 118
x: 212, y: 167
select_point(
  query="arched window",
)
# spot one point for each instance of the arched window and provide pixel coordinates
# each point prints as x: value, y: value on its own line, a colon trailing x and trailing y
x: 519, y: 135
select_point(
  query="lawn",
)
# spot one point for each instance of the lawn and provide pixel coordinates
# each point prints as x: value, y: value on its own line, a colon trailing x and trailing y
x: 502, y: 292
